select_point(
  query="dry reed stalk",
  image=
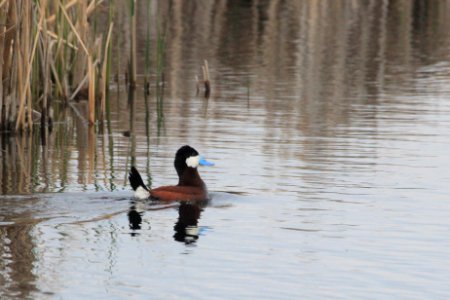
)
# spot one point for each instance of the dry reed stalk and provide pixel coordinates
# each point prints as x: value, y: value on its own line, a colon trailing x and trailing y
x: 9, y: 73
x: 58, y: 83
x: 81, y: 30
x: 20, y: 118
x: 3, y: 14
x: 56, y: 37
x: 79, y: 87
x: 74, y: 30
x: 104, y: 73
x: 92, y: 6
x: 52, y: 18
x: 90, y: 9
x: 29, y: 60
x: 206, y: 82
x: 9, y: 36
x: 46, y: 66
x: 20, y: 51
x: 40, y: 60
x: 57, y: 61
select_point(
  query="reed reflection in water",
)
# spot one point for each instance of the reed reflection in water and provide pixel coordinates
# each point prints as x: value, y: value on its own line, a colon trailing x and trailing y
x: 336, y: 111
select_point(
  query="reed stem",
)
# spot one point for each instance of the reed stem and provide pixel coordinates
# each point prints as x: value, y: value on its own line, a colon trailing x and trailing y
x: 49, y: 49
x: 133, y: 44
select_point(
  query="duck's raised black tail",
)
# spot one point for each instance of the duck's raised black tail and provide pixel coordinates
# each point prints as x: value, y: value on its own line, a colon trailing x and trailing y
x: 136, y: 179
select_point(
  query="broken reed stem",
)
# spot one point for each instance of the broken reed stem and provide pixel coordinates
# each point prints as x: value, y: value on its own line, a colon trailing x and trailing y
x: 206, y: 70
x: 206, y: 81
x: 204, y: 73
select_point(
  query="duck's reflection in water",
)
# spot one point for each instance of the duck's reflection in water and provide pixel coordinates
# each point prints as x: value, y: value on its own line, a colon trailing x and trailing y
x: 134, y: 220
x: 186, y: 227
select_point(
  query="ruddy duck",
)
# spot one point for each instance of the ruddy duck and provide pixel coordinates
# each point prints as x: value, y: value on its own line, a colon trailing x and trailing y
x: 190, y: 186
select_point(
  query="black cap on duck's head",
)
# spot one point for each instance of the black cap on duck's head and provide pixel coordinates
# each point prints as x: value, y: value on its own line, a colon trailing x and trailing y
x: 186, y: 157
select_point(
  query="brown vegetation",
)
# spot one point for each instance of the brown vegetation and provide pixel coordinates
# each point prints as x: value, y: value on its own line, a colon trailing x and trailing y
x: 50, y: 53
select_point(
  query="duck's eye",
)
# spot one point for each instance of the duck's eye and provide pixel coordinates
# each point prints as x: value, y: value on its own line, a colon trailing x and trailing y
x: 193, y: 161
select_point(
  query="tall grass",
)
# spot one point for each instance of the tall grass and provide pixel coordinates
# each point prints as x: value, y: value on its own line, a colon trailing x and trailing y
x: 51, y: 55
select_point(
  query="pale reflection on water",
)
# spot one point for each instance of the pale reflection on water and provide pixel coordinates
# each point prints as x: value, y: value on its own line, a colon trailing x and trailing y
x: 328, y: 122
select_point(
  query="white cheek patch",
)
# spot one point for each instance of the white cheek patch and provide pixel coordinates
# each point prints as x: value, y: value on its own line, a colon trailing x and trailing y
x: 192, y: 230
x: 141, y: 193
x: 193, y: 161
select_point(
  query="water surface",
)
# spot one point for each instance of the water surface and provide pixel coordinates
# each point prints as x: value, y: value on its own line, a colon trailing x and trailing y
x: 329, y: 124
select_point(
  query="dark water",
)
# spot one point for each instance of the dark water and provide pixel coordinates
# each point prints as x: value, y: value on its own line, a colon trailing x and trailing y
x: 329, y: 123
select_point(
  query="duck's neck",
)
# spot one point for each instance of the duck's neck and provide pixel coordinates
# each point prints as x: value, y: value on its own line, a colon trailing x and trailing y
x: 190, y: 177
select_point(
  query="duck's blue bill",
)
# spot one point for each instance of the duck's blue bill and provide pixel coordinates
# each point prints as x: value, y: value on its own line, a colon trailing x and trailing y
x: 204, y: 162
